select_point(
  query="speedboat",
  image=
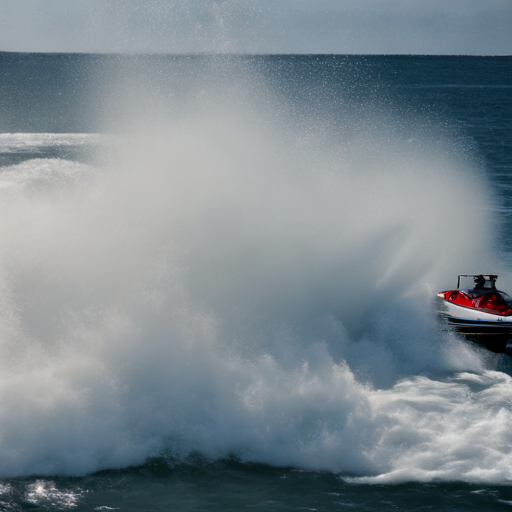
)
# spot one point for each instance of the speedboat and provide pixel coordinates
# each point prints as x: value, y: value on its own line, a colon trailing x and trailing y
x: 482, y: 313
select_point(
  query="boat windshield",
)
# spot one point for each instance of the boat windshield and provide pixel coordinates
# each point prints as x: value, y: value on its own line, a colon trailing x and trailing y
x: 473, y: 293
x: 506, y: 298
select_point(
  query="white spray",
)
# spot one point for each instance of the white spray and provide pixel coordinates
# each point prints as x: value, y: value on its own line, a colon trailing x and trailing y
x: 228, y: 282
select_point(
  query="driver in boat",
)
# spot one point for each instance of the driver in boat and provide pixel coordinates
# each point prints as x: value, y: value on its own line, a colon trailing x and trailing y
x: 479, y: 282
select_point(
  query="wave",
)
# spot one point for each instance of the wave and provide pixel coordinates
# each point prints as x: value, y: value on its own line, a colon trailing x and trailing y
x: 231, y: 281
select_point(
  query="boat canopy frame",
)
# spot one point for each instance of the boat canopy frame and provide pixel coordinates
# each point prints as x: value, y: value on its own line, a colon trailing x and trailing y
x: 491, y: 277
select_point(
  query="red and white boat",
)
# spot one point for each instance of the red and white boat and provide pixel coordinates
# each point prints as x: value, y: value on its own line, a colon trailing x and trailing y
x: 482, y: 313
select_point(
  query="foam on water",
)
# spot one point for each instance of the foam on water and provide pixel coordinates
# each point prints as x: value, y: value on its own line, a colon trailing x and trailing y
x: 228, y: 285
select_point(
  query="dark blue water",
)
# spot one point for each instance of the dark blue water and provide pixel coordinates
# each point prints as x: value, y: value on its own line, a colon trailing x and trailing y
x: 231, y: 486
x: 215, y: 280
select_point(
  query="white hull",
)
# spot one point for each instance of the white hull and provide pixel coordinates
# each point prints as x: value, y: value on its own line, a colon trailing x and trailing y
x: 494, y: 331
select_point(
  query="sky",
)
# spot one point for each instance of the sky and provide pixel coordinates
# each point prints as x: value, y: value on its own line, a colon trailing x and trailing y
x: 453, y: 27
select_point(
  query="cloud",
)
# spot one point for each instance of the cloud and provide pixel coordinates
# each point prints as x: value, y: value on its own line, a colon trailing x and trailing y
x: 258, y: 26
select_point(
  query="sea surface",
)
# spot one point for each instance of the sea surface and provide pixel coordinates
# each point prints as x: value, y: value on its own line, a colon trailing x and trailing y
x: 216, y: 282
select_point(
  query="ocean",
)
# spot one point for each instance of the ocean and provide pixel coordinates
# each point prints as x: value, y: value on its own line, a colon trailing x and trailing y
x: 217, y: 275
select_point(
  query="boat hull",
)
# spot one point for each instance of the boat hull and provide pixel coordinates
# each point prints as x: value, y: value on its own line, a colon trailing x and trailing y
x: 493, y: 331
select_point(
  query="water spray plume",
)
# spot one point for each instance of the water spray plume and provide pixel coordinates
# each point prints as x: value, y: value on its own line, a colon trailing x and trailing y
x: 231, y: 280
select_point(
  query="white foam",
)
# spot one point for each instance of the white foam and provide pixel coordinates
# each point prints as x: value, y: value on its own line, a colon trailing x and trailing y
x: 226, y: 286
x: 27, y: 142
x: 43, y: 174
x: 454, y: 430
